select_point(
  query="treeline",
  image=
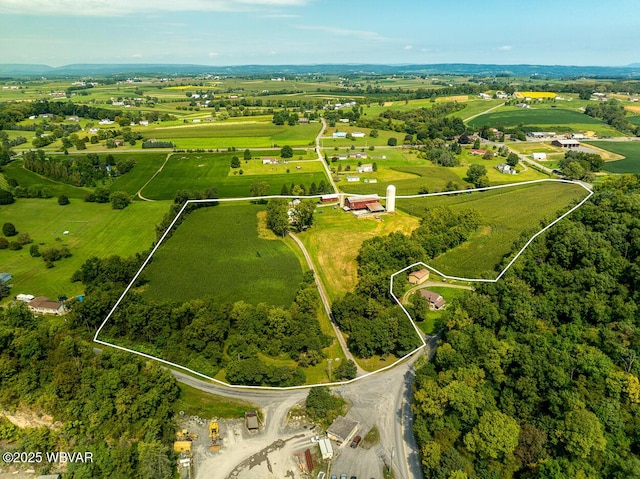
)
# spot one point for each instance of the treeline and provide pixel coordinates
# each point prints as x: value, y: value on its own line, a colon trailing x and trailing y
x: 424, y: 123
x: 76, y: 170
x: 536, y: 376
x: 113, y: 404
x: 578, y: 165
x: 206, y: 335
x: 375, y: 324
x: 612, y: 112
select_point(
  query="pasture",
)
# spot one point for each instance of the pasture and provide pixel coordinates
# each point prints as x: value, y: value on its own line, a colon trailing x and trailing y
x: 505, y: 214
x: 200, y: 171
x: 94, y: 230
x: 629, y: 149
x: 217, y: 253
x: 334, y: 243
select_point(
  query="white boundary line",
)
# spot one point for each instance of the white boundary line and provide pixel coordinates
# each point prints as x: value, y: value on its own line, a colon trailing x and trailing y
x: 338, y: 383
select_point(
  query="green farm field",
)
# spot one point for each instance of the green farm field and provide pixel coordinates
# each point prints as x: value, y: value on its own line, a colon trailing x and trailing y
x: 237, y: 134
x: 201, y: 171
x: 217, y: 253
x: 560, y: 120
x: 94, y: 230
x: 629, y: 149
x: 505, y: 214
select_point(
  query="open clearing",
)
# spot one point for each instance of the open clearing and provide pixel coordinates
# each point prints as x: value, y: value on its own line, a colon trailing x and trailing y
x: 334, y: 243
x: 505, y: 214
x: 629, y: 149
x: 94, y: 230
x: 217, y: 253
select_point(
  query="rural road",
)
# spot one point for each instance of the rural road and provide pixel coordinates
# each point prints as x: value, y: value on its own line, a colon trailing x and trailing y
x: 482, y: 112
x: 326, y: 304
x: 139, y: 193
x: 321, y: 156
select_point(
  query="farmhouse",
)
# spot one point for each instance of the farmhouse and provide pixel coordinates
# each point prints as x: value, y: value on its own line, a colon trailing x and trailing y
x: 43, y: 305
x: 340, y: 134
x: 360, y: 202
x: 566, y: 143
x: 368, y: 168
x: 505, y: 169
x: 269, y: 161
x: 484, y: 96
x: 418, y: 277
x: 357, y: 134
x: 539, y: 156
x: 342, y: 430
x: 436, y: 302
x: 353, y: 179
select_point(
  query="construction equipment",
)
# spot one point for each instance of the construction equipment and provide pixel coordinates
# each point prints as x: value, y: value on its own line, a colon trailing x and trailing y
x: 214, y: 435
x: 182, y: 447
x: 185, y: 435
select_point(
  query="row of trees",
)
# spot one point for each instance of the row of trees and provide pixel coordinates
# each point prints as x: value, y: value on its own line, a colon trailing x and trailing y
x: 613, y: 113
x: 536, y: 375
x: 282, y: 216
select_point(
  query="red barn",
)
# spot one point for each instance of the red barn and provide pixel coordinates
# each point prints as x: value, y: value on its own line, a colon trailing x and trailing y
x: 361, y: 202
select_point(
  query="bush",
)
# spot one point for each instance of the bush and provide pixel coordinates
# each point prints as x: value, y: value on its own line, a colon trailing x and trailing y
x: 24, y: 239
x: 393, y: 141
x: 63, y: 200
x: 119, y: 200
x: 34, y: 251
x: 6, y: 197
x: 15, y: 246
x: 4, y: 243
x: 9, y: 230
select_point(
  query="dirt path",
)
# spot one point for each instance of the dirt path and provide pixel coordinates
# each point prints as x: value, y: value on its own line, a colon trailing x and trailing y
x: 326, y: 304
x: 139, y: 193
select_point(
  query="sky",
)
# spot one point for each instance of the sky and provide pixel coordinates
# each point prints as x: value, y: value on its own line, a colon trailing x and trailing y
x: 271, y: 32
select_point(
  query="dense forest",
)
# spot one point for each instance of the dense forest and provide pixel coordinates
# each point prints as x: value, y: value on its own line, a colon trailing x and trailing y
x: 375, y: 324
x: 536, y: 376
x: 112, y: 404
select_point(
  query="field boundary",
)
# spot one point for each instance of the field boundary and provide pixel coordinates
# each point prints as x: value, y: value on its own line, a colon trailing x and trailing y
x: 418, y: 332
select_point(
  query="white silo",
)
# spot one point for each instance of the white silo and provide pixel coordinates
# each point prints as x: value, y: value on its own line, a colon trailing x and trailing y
x: 391, y: 198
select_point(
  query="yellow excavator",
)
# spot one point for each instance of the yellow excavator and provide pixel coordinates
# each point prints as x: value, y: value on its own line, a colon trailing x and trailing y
x: 214, y: 434
x: 185, y: 435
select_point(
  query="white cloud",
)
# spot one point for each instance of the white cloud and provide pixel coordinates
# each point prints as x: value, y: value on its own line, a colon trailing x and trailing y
x: 213, y: 54
x: 505, y: 48
x: 136, y: 55
x: 124, y: 7
x: 408, y: 47
x: 343, y: 32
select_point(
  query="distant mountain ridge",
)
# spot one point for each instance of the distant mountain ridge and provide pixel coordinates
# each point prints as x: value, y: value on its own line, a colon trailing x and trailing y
x: 552, y: 71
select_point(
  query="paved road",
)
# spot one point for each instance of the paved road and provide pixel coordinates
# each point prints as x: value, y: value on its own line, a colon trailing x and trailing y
x: 326, y: 304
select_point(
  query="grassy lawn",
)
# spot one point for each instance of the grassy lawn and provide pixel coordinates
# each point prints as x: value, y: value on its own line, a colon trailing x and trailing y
x: 629, y: 149
x: 146, y: 165
x: 505, y: 215
x: 433, y: 322
x: 335, y: 240
x: 194, y: 402
x: 200, y: 171
x: 217, y: 253
x: 94, y: 230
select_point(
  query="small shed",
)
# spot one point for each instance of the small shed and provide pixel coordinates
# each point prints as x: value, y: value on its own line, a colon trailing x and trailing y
x: 418, y: 277
x: 326, y: 449
x: 539, y: 156
x: 251, y: 420
x: 342, y: 430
